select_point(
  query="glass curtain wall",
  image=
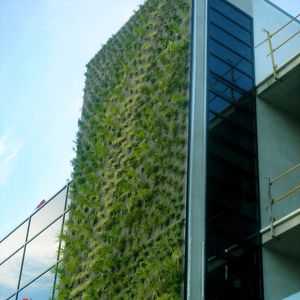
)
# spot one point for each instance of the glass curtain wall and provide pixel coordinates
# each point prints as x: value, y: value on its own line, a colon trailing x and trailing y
x: 30, y: 255
x: 233, y: 256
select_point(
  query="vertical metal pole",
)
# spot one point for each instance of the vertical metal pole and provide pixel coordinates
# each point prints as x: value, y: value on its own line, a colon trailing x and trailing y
x: 23, y: 257
x: 196, y: 177
x: 274, y: 66
x: 59, y: 245
x: 271, y: 207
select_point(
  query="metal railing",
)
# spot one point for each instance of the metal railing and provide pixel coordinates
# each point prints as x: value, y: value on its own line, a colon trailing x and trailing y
x: 29, y: 239
x: 272, y: 49
x: 282, y: 197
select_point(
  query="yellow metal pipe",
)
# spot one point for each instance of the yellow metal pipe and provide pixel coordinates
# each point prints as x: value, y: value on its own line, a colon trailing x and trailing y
x: 274, y: 66
x: 293, y: 190
x: 272, y: 34
x: 290, y: 21
x: 284, y: 174
x: 279, y: 46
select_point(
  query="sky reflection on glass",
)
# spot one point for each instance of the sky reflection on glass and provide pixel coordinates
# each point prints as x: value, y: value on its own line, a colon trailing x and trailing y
x: 48, y: 214
x: 9, y: 275
x: 13, y: 242
x: 41, y: 289
x: 40, y: 253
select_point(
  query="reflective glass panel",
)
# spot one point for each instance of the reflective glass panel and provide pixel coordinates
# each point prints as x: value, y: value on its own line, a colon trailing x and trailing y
x: 48, y: 213
x: 41, y: 289
x: 230, y: 42
x: 232, y: 156
x: 13, y: 242
x: 225, y: 89
x: 232, y: 204
x: 218, y: 104
x: 230, y: 133
x: 41, y: 253
x: 235, y: 59
x: 230, y: 73
x: 233, y: 13
x: 9, y: 275
x: 231, y: 27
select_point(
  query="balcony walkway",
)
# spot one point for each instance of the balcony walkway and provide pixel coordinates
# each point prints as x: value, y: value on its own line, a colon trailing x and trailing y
x: 285, y: 87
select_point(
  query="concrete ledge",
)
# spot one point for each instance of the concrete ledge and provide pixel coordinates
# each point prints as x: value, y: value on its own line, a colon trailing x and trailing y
x: 285, y: 230
x: 283, y: 92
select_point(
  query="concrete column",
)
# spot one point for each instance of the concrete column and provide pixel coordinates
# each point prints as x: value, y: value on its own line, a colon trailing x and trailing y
x: 197, y: 155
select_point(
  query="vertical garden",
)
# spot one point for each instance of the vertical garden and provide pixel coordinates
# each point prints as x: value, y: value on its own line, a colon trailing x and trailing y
x: 125, y: 233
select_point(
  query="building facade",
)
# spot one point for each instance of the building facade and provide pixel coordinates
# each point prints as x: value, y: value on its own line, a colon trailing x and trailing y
x: 245, y: 104
x: 186, y: 180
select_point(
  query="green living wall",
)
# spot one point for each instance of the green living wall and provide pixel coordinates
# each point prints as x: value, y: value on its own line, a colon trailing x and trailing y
x: 125, y: 232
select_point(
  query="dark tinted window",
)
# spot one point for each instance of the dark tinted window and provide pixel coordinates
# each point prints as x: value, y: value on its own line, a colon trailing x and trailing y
x: 232, y: 205
x: 231, y: 27
x: 235, y: 59
x: 229, y: 41
x: 228, y: 91
x: 234, y: 14
x: 230, y: 73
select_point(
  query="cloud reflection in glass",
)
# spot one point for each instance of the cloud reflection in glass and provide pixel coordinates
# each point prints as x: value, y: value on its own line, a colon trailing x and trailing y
x: 40, y: 254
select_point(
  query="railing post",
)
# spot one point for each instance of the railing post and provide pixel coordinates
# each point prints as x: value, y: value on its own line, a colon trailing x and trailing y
x: 274, y: 66
x: 271, y: 207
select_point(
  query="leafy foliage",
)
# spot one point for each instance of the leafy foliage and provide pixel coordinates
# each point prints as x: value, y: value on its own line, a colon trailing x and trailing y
x: 124, y: 236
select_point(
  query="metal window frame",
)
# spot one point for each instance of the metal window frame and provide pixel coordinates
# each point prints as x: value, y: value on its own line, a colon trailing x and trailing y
x: 251, y: 93
x: 28, y: 241
x: 237, y: 9
x: 230, y: 19
x: 232, y: 50
x: 35, y: 212
x: 34, y: 280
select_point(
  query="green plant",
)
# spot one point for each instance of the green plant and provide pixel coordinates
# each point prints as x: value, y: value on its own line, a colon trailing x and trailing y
x: 125, y: 231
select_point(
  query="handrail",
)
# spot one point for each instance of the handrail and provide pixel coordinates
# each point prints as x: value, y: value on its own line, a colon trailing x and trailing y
x: 280, y: 45
x: 294, y: 189
x: 273, y: 50
x: 278, y: 30
x: 272, y: 201
x: 285, y: 174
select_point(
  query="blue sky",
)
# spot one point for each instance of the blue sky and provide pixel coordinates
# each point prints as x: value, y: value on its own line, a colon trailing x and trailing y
x: 290, y: 6
x: 44, y: 47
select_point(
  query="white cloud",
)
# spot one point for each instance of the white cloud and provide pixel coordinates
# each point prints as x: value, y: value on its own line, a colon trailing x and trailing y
x: 9, y: 149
